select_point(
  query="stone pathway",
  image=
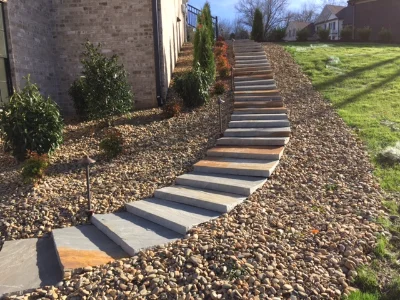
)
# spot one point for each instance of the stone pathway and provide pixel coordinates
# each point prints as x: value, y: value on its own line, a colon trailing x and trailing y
x: 243, y: 159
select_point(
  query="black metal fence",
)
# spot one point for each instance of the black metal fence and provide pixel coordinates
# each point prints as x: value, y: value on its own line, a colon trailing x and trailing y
x: 191, y: 18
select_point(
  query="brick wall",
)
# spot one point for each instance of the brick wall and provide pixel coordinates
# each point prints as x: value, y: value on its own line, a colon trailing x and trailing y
x: 31, y: 44
x: 172, y: 38
x: 46, y: 38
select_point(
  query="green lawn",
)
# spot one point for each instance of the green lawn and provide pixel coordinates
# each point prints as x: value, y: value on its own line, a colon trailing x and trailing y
x: 363, y: 84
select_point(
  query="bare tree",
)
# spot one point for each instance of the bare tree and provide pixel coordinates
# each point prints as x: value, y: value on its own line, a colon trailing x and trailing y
x: 274, y: 12
x: 332, y: 2
x: 226, y: 27
x: 307, y: 13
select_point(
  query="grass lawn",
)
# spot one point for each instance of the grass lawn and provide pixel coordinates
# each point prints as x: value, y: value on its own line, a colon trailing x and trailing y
x: 363, y: 83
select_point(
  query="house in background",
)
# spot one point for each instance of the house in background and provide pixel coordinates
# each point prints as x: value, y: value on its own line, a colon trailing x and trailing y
x: 329, y: 19
x: 377, y: 14
x: 45, y: 38
x: 296, y: 26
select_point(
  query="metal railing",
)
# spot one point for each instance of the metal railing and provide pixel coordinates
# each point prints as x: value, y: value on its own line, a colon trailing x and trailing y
x: 191, y: 18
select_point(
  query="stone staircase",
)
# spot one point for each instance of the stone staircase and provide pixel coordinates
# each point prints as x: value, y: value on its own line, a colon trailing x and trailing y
x: 241, y: 162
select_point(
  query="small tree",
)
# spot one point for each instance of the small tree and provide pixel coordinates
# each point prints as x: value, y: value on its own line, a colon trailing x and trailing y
x: 364, y: 33
x: 302, y: 35
x: 208, y: 20
x: 257, y: 31
x: 31, y: 123
x: 385, y: 35
x: 277, y: 34
x: 323, y: 34
x: 346, y: 34
x: 204, y: 54
x: 103, y: 88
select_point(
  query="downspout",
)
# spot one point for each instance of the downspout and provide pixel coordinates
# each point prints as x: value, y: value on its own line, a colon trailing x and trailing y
x: 157, y: 61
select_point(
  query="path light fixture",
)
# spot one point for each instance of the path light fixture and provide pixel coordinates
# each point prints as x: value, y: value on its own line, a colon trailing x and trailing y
x: 220, y: 102
x: 86, y: 162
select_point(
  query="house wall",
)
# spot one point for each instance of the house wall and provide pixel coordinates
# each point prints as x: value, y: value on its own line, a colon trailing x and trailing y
x: 291, y: 33
x: 334, y: 33
x: 31, y: 44
x: 172, y: 38
x: 46, y: 38
x: 378, y: 14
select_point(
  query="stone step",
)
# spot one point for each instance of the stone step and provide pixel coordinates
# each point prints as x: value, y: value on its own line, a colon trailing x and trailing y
x: 258, y: 132
x: 250, y: 57
x: 28, y: 264
x: 258, y: 93
x: 247, y: 117
x: 248, y: 48
x: 257, y: 98
x: 256, y: 87
x: 265, y: 110
x: 253, y: 77
x: 248, y: 69
x: 253, y: 73
x: 236, y: 166
x: 241, y: 185
x: 259, y: 123
x: 133, y: 233
x: 254, y: 152
x: 242, y: 65
x: 211, y: 200
x: 172, y: 215
x: 249, y: 52
x: 84, y: 246
x: 255, y: 61
x: 254, y: 82
x: 261, y: 104
x: 252, y: 141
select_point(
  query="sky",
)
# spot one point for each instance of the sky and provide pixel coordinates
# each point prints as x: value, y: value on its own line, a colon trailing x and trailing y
x: 225, y: 9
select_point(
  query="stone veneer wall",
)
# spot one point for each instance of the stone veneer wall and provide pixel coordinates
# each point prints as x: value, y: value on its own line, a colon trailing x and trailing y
x: 31, y: 44
x: 172, y: 37
x: 46, y: 38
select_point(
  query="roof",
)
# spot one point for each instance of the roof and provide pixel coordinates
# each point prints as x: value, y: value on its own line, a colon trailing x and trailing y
x: 299, y: 24
x: 346, y: 15
x: 328, y: 11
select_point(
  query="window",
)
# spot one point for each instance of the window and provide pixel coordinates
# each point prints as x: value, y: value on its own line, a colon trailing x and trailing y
x: 334, y: 25
x: 5, y: 78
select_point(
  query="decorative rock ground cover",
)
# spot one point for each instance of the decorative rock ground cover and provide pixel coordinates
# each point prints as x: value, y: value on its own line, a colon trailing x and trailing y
x: 302, y: 234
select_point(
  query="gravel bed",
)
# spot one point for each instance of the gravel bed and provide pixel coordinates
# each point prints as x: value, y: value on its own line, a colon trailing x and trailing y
x: 301, y: 236
x: 157, y: 150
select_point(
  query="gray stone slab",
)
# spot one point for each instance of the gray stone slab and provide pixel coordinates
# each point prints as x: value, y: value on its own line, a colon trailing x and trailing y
x: 258, y: 132
x: 172, y: 215
x: 253, y: 141
x: 133, y: 233
x: 27, y: 265
x: 241, y: 185
x: 246, y: 117
x: 82, y: 246
x: 250, y: 57
x: 268, y: 110
x: 256, y: 87
x: 258, y: 98
x: 255, y: 82
x: 211, y: 200
x: 259, y: 124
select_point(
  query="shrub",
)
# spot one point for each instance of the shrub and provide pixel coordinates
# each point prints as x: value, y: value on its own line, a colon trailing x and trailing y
x: 257, y: 31
x: 112, y: 144
x: 192, y: 87
x: 30, y: 122
x: 385, y: 35
x: 219, y: 88
x: 220, y: 39
x: 323, y: 34
x: 172, y: 108
x: 277, y: 34
x: 346, y: 34
x: 302, y: 35
x: 34, y: 167
x: 103, y: 88
x: 364, y: 33
x: 205, y: 56
x: 78, y: 97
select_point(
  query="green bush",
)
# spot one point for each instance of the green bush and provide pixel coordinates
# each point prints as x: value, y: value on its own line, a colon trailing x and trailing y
x: 323, y: 34
x: 257, y: 31
x: 277, y: 34
x: 364, y: 33
x: 385, y: 35
x: 206, y: 12
x: 346, y: 34
x: 112, y: 144
x: 205, y: 55
x: 192, y: 87
x: 30, y: 122
x: 34, y: 167
x: 103, y: 91
x: 302, y: 35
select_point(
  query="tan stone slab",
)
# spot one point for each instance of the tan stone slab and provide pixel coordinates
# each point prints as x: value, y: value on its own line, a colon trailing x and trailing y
x: 262, y: 152
x: 257, y: 93
x: 250, y: 104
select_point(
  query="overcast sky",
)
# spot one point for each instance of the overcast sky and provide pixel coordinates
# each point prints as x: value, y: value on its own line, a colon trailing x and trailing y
x: 225, y: 9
